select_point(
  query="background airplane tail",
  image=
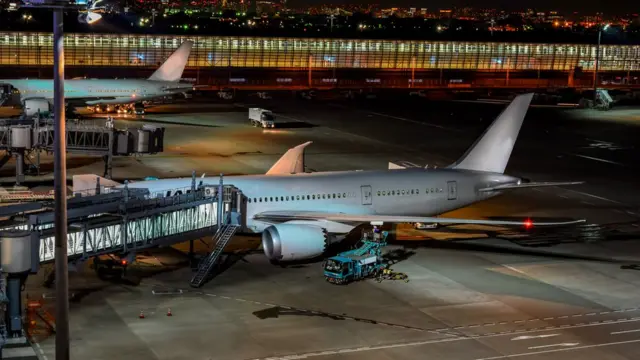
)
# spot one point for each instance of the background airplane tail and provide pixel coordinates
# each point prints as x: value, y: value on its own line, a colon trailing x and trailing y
x: 492, y: 150
x: 173, y: 67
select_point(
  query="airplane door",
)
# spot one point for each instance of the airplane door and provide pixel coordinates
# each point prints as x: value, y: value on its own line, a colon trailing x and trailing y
x: 366, y: 195
x: 452, y: 190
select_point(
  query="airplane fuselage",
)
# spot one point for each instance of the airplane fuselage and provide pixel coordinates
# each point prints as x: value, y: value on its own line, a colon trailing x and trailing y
x: 410, y: 192
x: 99, y: 91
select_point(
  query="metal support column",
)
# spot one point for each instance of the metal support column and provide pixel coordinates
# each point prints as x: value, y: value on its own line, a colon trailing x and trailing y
x: 19, y: 166
x: 60, y: 186
x: 14, y: 313
x: 220, y: 203
x: 595, y: 73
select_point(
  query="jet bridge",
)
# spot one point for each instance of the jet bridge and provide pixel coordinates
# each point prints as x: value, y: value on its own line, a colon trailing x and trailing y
x: 113, y: 221
x: 20, y: 137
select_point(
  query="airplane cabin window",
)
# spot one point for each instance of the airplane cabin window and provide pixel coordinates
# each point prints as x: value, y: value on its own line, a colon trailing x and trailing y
x: 287, y: 198
x: 344, y: 195
x: 402, y: 192
x: 281, y: 198
x: 324, y: 196
x: 313, y: 197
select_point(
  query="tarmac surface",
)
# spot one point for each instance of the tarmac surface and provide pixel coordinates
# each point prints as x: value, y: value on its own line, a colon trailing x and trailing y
x: 484, y: 298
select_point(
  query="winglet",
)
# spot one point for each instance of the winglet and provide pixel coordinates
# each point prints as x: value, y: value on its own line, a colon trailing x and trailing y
x: 492, y: 150
x: 173, y: 67
x: 292, y: 162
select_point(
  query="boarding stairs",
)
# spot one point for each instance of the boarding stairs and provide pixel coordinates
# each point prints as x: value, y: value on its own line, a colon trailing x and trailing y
x: 221, y: 239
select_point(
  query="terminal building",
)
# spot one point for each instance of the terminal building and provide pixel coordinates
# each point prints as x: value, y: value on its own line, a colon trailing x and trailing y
x: 302, y: 60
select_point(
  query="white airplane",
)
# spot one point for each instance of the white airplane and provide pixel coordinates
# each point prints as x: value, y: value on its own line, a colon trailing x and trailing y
x: 299, y: 214
x: 37, y: 95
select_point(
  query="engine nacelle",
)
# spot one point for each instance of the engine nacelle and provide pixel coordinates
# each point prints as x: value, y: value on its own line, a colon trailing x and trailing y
x: 289, y: 242
x: 33, y: 106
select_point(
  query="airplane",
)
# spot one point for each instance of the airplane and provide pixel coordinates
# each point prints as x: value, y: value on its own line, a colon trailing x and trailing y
x: 37, y: 95
x: 299, y: 214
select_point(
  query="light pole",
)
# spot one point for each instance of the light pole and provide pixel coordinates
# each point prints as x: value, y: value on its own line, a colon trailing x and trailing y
x: 60, y: 168
x: 601, y: 28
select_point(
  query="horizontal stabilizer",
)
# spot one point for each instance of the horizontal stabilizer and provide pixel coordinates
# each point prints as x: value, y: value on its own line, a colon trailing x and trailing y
x: 354, y: 218
x: 402, y: 165
x: 292, y: 162
x: 86, y: 184
x: 528, y: 185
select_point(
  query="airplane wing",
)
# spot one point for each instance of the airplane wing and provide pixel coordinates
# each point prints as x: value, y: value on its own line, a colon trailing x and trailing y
x: 352, y: 218
x: 528, y: 185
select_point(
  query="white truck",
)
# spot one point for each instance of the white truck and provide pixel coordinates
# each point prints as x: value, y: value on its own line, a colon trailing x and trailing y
x: 261, y: 117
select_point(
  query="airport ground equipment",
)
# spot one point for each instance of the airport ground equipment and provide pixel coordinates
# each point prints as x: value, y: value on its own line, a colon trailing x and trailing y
x: 261, y: 117
x: 363, y: 262
x: 388, y: 274
x: 221, y: 239
x: 119, y: 221
x: 26, y: 139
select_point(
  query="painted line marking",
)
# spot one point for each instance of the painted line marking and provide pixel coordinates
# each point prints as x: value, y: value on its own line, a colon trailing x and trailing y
x: 559, y: 350
x: 435, y: 341
x: 624, y: 331
x: 593, y: 196
x: 412, y: 121
x: 529, y: 337
x: 599, y: 159
x: 552, y: 345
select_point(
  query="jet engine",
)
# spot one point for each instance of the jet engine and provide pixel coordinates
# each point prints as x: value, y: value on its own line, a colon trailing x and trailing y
x: 33, y: 106
x: 289, y: 242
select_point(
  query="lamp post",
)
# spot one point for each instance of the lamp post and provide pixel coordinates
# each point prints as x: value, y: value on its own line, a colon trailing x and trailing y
x: 601, y: 28
x: 60, y: 166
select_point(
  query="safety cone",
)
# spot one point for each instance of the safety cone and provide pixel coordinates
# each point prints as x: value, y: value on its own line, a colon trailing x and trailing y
x: 141, y: 316
x: 169, y: 312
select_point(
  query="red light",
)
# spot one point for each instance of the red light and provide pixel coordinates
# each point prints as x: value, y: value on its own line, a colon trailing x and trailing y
x: 123, y: 262
x: 528, y: 224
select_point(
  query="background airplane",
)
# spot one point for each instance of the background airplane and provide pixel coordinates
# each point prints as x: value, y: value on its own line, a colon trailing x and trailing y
x: 300, y: 214
x: 37, y: 95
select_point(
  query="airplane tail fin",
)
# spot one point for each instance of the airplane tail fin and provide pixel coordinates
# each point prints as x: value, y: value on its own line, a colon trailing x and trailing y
x: 173, y: 67
x: 492, y: 150
x: 292, y: 162
x: 86, y: 185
